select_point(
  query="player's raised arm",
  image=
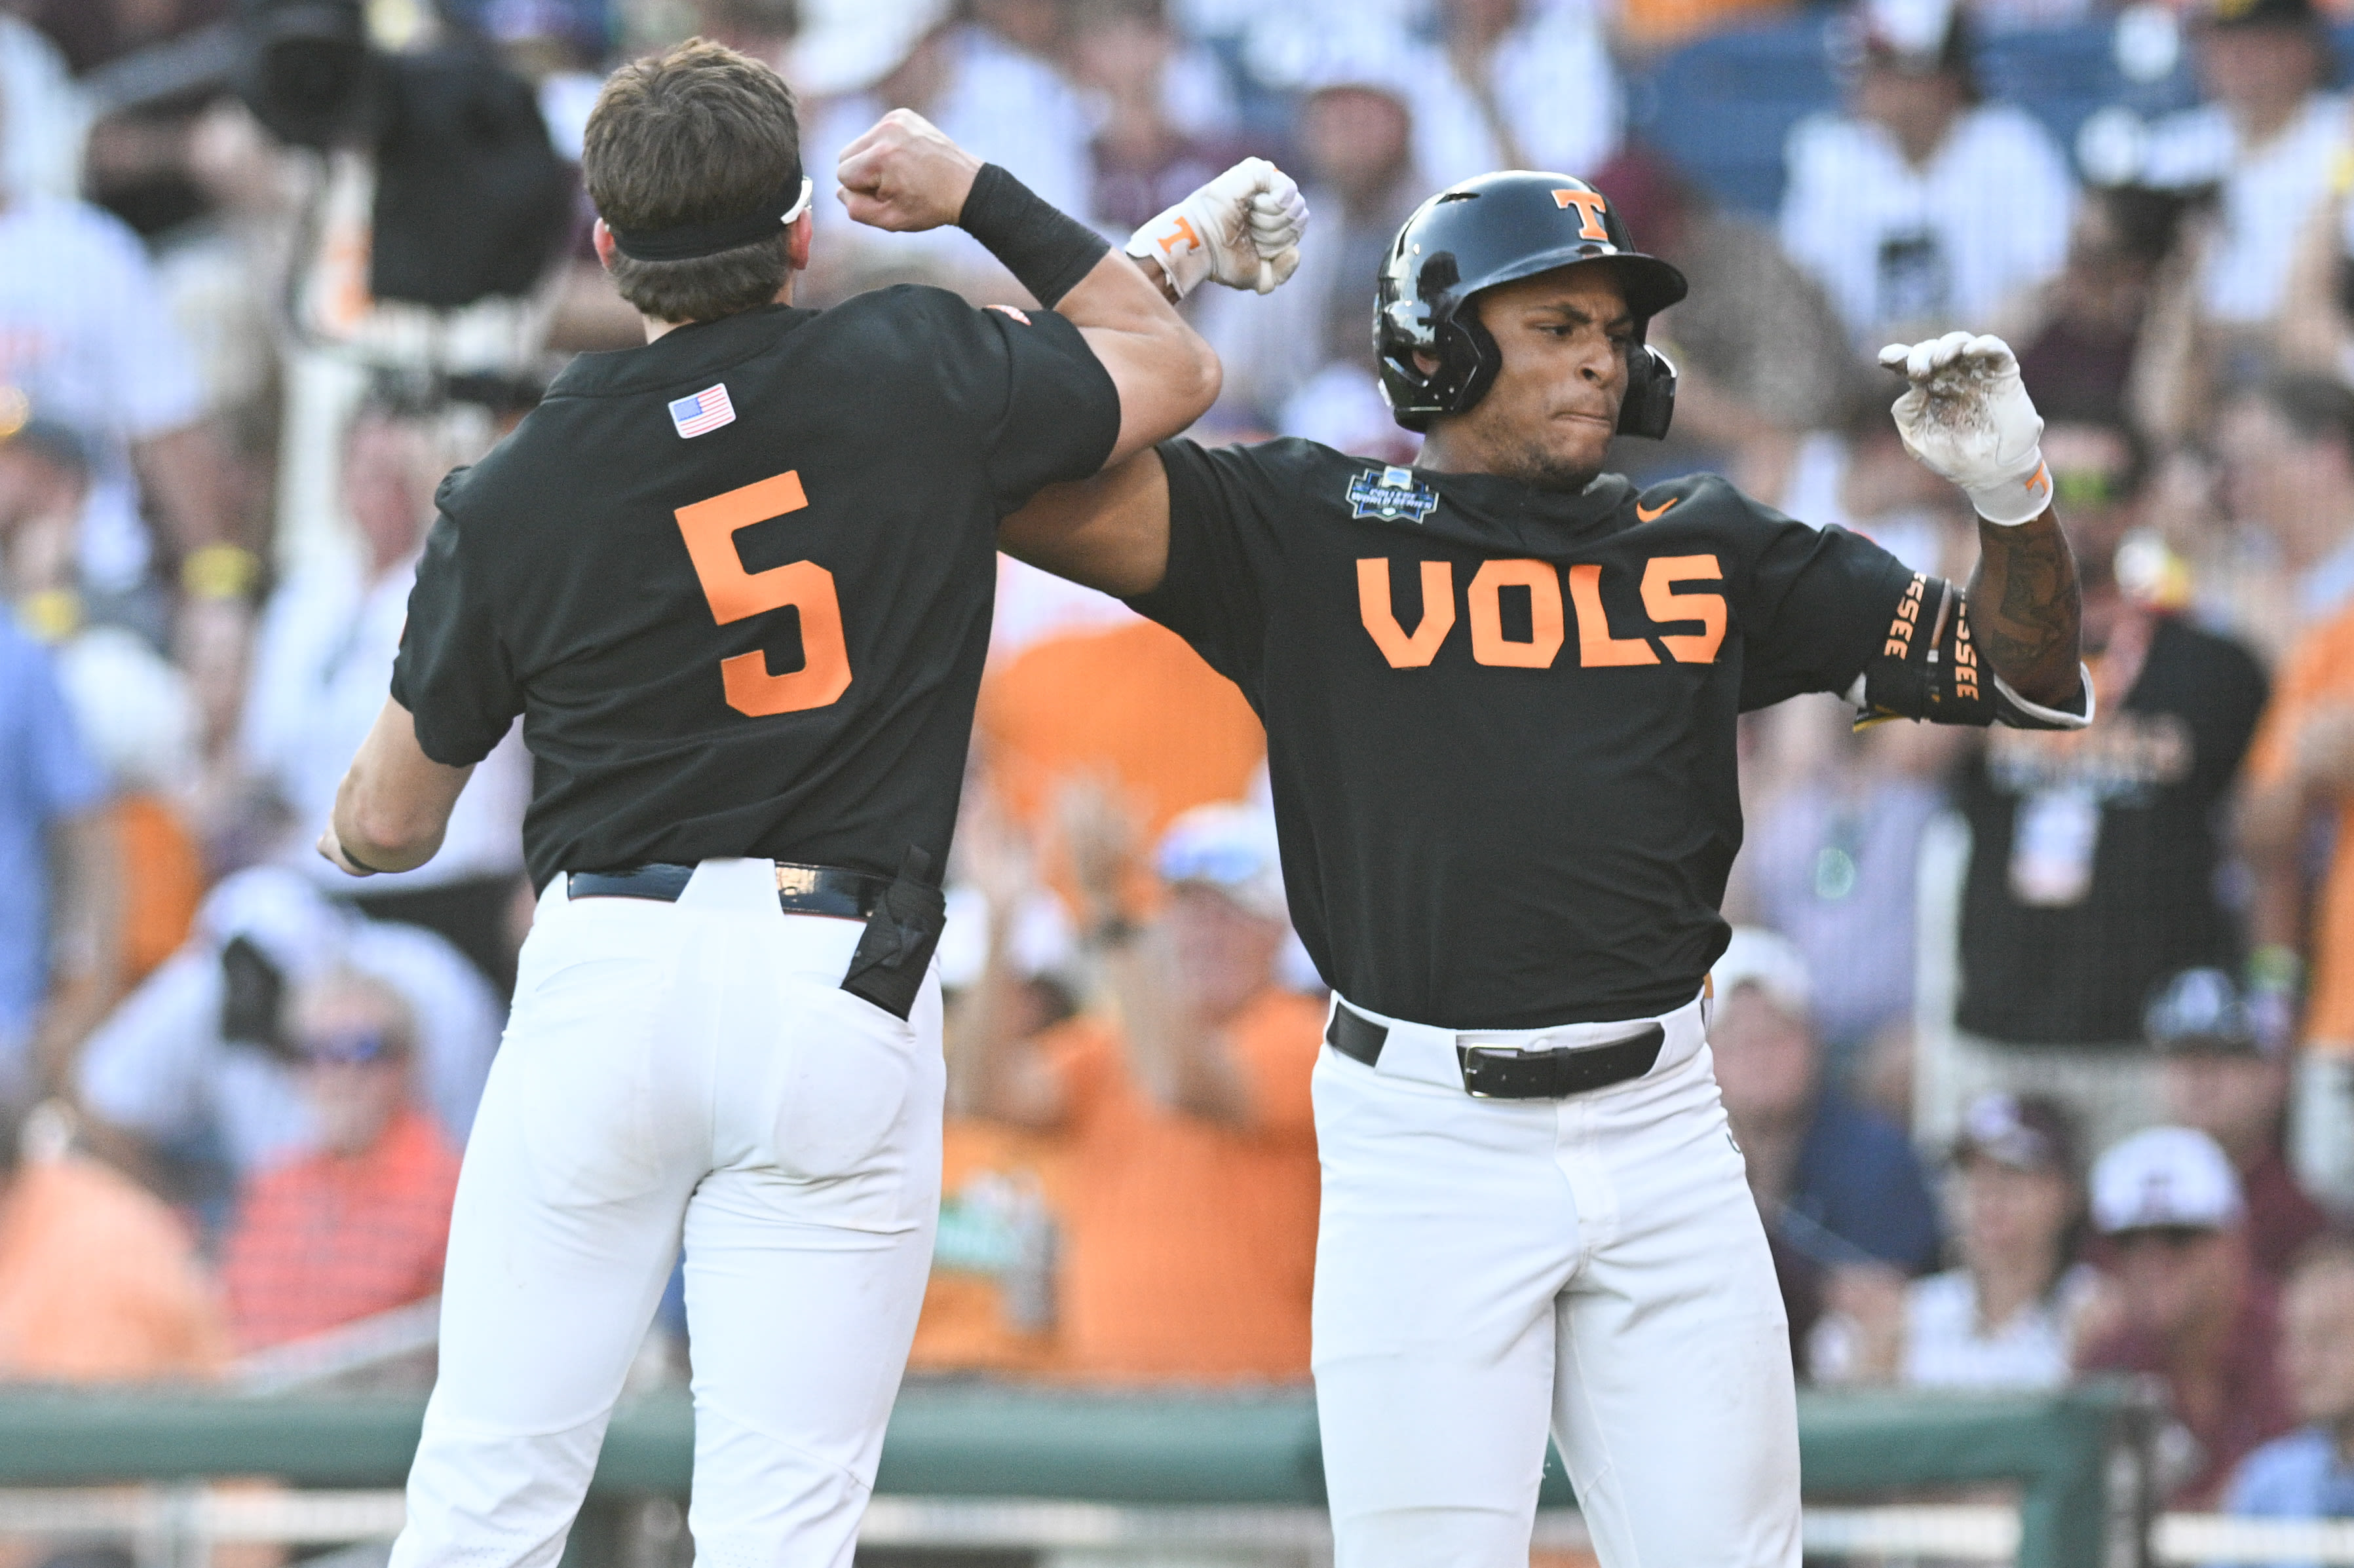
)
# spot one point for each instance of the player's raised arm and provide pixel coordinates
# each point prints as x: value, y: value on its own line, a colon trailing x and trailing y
x: 1967, y: 417
x: 905, y: 176
x: 1111, y: 531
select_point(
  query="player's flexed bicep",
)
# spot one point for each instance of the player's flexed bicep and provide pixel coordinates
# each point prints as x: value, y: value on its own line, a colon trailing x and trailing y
x: 1828, y: 610
x: 1241, y: 228
x: 1111, y: 531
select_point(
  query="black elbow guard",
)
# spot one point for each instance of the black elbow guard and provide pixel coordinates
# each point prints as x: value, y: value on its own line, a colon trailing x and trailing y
x: 1927, y: 667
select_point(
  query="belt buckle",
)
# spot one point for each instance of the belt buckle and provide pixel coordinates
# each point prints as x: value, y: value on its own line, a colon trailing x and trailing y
x: 797, y: 879
x: 1500, y: 1055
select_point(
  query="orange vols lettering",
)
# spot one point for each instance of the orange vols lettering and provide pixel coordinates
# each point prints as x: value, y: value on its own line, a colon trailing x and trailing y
x: 1380, y: 616
x: 1662, y: 603
x: 710, y: 528
x: 1590, y: 205
x: 1488, y: 643
x: 1596, y: 649
x: 1653, y: 513
x: 1182, y: 230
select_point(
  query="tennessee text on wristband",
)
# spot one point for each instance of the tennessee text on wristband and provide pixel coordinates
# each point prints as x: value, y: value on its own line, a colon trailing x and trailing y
x: 687, y: 241
x: 1046, y: 250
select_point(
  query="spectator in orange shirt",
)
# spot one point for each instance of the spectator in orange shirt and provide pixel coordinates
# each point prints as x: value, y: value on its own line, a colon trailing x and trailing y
x: 2290, y: 450
x: 1006, y: 968
x: 359, y: 1225
x: 99, y: 1281
x: 1131, y: 703
x: 1190, y: 1178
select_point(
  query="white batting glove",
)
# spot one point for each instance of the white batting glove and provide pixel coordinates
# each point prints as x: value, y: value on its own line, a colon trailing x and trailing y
x: 1967, y: 417
x: 1241, y: 229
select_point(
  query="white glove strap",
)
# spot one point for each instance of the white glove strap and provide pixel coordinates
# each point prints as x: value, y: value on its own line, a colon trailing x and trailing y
x: 2009, y: 502
x: 1174, y: 242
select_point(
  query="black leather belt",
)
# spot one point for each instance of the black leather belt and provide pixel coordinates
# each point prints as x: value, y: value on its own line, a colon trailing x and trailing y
x: 1490, y: 1072
x: 800, y: 889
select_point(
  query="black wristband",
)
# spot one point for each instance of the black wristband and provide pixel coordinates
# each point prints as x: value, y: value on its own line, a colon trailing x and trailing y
x: 356, y: 863
x: 1046, y: 249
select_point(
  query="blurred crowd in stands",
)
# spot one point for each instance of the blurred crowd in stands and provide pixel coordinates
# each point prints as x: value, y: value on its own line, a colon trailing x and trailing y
x: 2039, y: 1046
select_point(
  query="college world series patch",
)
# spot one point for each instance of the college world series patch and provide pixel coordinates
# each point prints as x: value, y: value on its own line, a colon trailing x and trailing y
x: 1391, y: 493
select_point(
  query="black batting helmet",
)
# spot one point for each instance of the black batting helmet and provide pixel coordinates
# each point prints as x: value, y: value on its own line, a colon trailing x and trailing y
x: 1494, y: 229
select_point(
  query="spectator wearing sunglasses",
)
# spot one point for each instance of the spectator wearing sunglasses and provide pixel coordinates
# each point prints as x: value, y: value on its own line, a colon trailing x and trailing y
x: 357, y: 1226
x: 2092, y: 875
x: 2181, y: 1298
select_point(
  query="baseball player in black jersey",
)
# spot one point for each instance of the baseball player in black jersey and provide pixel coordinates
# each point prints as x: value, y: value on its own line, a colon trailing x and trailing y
x: 1500, y: 690
x: 738, y: 582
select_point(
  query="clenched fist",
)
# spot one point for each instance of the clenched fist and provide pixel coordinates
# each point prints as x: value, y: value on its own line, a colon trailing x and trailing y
x: 1241, y: 229
x: 1967, y: 417
x: 904, y: 176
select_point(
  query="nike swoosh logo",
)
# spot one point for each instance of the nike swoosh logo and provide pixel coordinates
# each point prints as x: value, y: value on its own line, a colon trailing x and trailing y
x: 1653, y: 513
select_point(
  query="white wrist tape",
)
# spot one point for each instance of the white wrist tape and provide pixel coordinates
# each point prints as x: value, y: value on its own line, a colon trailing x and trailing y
x: 1175, y: 242
x: 2009, y: 502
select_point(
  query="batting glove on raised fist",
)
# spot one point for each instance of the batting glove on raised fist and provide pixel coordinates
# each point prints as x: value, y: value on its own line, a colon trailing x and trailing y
x: 1967, y: 418
x: 1241, y: 229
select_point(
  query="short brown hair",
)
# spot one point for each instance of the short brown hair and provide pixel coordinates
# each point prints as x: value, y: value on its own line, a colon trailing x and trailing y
x: 697, y: 134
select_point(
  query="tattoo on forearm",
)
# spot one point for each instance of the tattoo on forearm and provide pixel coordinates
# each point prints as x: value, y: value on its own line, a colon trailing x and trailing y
x: 2026, y: 608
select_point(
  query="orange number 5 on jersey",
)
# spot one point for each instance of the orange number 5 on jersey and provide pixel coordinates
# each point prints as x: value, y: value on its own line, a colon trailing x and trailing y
x: 710, y: 527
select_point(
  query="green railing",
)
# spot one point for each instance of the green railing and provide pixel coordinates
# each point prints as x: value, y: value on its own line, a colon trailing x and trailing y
x: 993, y: 1441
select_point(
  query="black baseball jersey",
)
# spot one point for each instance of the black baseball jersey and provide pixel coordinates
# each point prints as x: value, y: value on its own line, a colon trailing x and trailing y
x: 1500, y: 720
x: 738, y: 581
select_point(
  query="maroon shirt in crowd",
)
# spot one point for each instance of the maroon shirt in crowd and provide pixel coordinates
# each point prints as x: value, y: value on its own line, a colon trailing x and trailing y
x: 2281, y: 1218
x: 2251, y: 1408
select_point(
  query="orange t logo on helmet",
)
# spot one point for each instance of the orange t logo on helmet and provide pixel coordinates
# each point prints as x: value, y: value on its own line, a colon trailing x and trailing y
x: 1590, y: 205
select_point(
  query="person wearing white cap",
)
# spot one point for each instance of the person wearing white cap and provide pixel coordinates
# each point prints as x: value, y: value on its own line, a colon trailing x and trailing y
x: 1885, y: 205
x: 1839, y: 1182
x: 197, y: 1059
x: 2182, y: 1299
x: 1183, y: 1101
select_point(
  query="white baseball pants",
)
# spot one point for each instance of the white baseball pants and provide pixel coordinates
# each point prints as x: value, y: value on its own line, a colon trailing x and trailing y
x: 1488, y: 1268
x: 690, y: 1069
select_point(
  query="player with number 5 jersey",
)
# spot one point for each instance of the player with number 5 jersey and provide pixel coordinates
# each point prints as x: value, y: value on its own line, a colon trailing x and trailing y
x: 737, y: 585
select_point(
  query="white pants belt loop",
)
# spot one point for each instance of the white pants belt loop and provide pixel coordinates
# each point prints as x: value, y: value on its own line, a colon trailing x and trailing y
x: 1429, y: 1054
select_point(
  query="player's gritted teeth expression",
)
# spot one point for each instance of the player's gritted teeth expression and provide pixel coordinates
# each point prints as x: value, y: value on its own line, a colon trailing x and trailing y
x: 1565, y: 337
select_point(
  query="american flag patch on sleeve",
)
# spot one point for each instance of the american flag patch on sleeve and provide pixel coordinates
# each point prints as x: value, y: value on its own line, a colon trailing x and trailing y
x: 706, y: 410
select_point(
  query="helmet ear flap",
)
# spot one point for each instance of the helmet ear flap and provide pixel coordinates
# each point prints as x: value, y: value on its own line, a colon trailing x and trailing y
x: 1649, y: 404
x: 1471, y: 359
